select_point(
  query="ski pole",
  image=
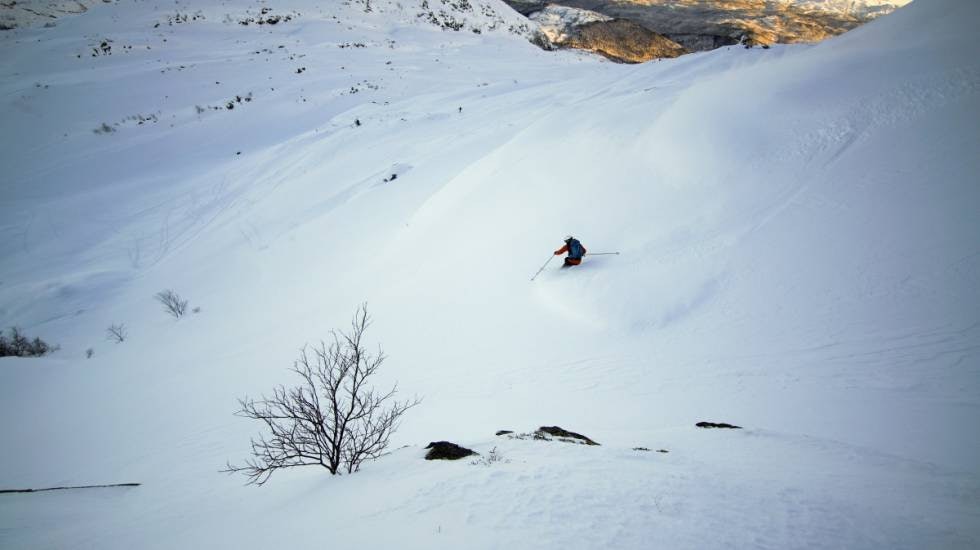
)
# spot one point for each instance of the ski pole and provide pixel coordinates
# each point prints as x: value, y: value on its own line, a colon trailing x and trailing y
x: 544, y: 266
x: 601, y: 253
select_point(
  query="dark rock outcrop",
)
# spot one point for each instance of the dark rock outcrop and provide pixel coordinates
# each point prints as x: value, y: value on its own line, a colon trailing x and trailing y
x: 561, y: 433
x: 622, y: 40
x: 647, y: 449
x: 504, y: 432
x: 717, y: 425
x: 444, y: 450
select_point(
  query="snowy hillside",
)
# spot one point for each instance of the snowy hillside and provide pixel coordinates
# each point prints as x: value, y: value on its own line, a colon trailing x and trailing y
x: 797, y: 230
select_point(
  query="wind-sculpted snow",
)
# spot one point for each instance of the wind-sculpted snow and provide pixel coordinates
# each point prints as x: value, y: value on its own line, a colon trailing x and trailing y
x: 797, y: 236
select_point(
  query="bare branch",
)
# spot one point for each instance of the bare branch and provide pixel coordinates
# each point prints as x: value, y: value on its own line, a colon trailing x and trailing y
x: 116, y: 333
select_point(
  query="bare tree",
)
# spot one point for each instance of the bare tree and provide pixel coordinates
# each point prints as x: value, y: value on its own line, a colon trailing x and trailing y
x: 172, y: 302
x: 332, y: 419
x: 116, y: 333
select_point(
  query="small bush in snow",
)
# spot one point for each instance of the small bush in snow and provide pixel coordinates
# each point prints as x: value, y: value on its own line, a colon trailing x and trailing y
x: 489, y: 459
x: 89, y: 353
x: 18, y: 345
x: 116, y: 333
x: 104, y: 129
x: 332, y: 419
x: 172, y: 303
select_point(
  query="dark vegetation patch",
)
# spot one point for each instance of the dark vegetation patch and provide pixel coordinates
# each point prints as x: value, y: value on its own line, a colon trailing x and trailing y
x: 266, y: 17
x: 137, y: 119
x: 101, y: 47
x: 226, y: 106
x: 19, y: 345
x: 361, y: 86
x: 181, y: 18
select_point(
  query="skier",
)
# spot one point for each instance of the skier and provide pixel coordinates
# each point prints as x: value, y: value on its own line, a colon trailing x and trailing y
x: 575, y: 251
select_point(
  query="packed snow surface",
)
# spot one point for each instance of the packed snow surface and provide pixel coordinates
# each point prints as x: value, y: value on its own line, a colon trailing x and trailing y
x: 799, y: 255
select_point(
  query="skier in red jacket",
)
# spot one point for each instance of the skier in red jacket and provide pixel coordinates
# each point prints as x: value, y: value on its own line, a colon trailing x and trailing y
x: 575, y: 251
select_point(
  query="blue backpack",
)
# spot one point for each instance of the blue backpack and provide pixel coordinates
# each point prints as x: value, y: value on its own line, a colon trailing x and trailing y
x: 575, y: 249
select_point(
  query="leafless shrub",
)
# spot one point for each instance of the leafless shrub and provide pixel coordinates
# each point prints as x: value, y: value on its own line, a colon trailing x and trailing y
x: 104, y: 129
x: 89, y: 353
x: 172, y: 303
x: 116, y: 333
x: 332, y: 419
x: 489, y: 459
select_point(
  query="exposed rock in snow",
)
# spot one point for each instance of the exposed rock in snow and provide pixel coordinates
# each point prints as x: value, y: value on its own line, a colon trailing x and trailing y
x: 617, y: 39
x: 444, y: 450
x: 718, y: 425
x: 623, y: 40
x: 563, y: 435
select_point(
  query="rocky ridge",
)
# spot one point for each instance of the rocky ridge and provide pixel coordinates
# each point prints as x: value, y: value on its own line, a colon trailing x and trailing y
x: 617, y: 39
x: 699, y: 25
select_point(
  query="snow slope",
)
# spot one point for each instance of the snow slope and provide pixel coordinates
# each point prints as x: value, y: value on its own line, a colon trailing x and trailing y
x: 798, y: 235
